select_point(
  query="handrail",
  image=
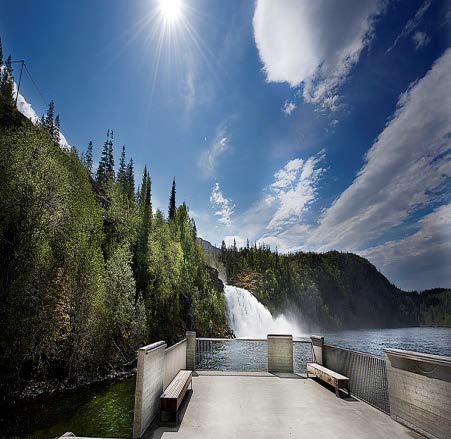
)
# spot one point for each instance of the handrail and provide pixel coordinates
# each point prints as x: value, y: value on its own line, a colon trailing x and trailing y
x: 245, y: 339
x: 367, y: 354
x: 151, y: 347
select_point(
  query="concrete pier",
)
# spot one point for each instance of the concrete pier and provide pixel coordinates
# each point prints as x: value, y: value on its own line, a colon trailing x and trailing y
x: 280, y: 353
x: 262, y: 405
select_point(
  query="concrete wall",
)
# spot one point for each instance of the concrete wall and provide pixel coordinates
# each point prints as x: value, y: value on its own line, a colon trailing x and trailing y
x: 174, y: 361
x: 317, y: 346
x: 419, y: 388
x: 190, y: 350
x: 149, y: 386
x: 280, y: 353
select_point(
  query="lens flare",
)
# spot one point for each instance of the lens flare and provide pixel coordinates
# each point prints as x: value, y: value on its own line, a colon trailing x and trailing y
x: 171, y: 10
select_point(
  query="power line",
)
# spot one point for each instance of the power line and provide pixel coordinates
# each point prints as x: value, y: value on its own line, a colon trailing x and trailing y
x: 24, y: 64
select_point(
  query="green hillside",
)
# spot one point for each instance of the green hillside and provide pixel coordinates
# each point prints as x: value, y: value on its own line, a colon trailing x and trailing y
x: 332, y: 290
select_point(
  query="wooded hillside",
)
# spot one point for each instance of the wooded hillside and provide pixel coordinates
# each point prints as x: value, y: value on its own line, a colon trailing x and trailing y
x: 89, y: 271
x: 332, y: 290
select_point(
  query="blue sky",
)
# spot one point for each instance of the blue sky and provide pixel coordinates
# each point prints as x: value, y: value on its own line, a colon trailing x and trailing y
x: 306, y: 125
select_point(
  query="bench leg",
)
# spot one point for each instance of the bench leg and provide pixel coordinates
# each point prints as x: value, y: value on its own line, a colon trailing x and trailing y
x: 349, y: 392
x: 337, y: 392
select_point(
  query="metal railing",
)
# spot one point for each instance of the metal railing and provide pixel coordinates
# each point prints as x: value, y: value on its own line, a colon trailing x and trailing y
x: 367, y: 374
x: 245, y: 354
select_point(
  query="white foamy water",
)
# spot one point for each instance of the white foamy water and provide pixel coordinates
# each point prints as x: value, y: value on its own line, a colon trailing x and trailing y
x: 249, y: 318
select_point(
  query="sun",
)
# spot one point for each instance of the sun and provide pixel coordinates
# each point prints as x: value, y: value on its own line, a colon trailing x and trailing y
x: 171, y: 10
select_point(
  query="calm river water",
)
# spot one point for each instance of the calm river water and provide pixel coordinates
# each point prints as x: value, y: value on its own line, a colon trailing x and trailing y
x: 106, y: 409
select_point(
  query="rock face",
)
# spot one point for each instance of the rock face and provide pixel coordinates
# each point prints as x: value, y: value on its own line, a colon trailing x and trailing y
x: 214, y: 276
x: 212, y: 255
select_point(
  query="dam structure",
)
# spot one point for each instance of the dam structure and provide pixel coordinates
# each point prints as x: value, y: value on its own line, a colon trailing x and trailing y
x: 272, y: 381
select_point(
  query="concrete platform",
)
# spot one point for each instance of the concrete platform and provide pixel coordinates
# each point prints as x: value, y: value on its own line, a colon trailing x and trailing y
x: 262, y: 405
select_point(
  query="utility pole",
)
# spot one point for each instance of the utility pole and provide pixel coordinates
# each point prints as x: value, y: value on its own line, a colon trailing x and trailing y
x: 20, y: 77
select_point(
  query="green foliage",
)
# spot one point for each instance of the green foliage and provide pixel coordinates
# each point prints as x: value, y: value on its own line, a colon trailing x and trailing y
x: 7, y: 99
x: 88, y: 272
x: 331, y: 290
x: 172, y: 208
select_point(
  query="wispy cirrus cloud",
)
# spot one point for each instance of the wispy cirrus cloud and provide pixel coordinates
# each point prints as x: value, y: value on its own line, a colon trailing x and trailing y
x: 295, y: 188
x: 412, y: 23
x: 405, y: 170
x: 223, y: 206
x: 209, y: 157
x: 283, y: 202
x: 315, y: 44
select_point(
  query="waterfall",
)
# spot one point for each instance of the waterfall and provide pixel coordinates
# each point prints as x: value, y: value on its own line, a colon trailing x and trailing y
x: 249, y: 318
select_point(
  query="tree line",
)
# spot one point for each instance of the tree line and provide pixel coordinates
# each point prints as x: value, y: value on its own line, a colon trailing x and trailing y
x: 332, y: 290
x: 89, y: 270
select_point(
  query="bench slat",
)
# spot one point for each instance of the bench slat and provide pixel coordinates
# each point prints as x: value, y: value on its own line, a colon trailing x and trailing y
x: 327, y: 371
x: 173, y: 395
x: 329, y: 376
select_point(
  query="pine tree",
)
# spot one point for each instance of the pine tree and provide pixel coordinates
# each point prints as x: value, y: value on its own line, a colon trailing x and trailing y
x: 56, y: 132
x: 122, y: 172
x: 172, y: 208
x: 145, y: 216
x: 7, y: 102
x: 1, y: 52
x: 43, y: 120
x: 50, y: 120
x: 9, y: 66
x: 110, y: 160
x: 89, y: 158
x: 130, y: 180
x: 101, y: 176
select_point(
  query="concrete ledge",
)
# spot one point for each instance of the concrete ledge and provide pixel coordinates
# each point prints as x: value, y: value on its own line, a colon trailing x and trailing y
x: 149, y: 385
x: 419, y: 387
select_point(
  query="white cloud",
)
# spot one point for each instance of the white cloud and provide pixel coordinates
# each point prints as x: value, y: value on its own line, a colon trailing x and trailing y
x: 420, y: 39
x: 412, y: 23
x: 422, y: 260
x: 209, y: 157
x: 231, y: 239
x: 314, y: 43
x: 283, y: 202
x: 224, y: 207
x: 295, y: 187
x: 405, y: 168
x: 288, y: 107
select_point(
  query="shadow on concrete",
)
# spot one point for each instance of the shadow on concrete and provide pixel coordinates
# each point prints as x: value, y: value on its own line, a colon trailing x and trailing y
x: 288, y: 375
x: 156, y: 429
x: 343, y: 393
x: 238, y: 373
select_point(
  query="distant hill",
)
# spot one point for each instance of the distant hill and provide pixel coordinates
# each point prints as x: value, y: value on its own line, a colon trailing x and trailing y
x: 331, y: 290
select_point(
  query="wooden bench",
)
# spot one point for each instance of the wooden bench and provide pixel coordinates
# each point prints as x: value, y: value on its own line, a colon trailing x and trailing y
x: 329, y: 376
x: 173, y: 395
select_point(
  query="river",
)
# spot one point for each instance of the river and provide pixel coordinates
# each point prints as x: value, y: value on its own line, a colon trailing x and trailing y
x: 106, y: 409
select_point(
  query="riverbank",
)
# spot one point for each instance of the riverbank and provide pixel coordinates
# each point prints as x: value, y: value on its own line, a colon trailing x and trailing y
x: 32, y: 389
x: 101, y: 409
